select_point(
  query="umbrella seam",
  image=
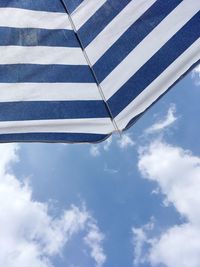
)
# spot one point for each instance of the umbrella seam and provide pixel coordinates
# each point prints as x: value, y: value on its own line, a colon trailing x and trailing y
x: 91, y: 68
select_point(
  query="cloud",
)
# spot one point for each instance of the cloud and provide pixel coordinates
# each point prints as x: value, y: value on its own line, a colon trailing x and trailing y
x: 177, y: 173
x: 107, y: 143
x: 166, y: 122
x: 95, y: 151
x: 125, y: 141
x: 179, y: 246
x: 139, y: 240
x: 94, y: 240
x: 29, y: 235
x: 196, y: 75
x: 110, y: 170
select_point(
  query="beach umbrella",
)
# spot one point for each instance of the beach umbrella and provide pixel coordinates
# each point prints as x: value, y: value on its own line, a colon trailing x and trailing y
x: 79, y: 70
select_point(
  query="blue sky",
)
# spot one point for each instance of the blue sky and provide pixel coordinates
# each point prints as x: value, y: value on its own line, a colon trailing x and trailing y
x: 129, y: 201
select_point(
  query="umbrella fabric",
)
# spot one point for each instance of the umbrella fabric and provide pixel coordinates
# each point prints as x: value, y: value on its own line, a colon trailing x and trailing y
x: 78, y: 70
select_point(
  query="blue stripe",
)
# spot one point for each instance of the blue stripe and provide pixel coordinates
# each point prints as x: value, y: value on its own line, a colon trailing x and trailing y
x: 133, y: 36
x: 53, y: 137
x: 71, y: 5
x: 40, y: 5
x: 156, y: 65
x: 46, y: 110
x: 136, y: 118
x: 20, y: 73
x: 100, y: 20
x: 37, y: 37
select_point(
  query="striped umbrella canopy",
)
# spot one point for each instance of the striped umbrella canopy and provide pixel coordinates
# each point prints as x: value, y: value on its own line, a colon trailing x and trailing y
x: 79, y: 70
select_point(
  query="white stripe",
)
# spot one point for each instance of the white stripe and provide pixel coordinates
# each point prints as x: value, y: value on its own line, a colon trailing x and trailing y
x: 149, y: 46
x: 116, y: 28
x: 12, y: 92
x: 21, y: 18
x: 85, y: 10
x: 93, y: 126
x: 41, y: 55
x: 160, y: 85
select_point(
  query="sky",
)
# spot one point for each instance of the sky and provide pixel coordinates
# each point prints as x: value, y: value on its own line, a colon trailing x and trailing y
x: 132, y: 200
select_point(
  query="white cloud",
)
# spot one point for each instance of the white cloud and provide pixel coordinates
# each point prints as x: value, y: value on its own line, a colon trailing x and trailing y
x: 107, y: 143
x: 125, y: 141
x: 95, y: 151
x: 140, y: 239
x: 177, y: 172
x: 110, y: 170
x: 196, y: 75
x: 179, y: 246
x: 29, y: 236
x: 166, y: 122
x: 94, y: 240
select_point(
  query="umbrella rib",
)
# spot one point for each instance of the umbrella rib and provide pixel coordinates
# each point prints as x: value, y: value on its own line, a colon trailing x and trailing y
x: 91, y: 68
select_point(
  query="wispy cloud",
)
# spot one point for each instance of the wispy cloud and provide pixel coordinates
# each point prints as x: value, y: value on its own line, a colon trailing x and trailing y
x: 177, y: 173
x: 140, y: 239
x: 110, y: 170
x: 125, y: 141
x: 169, y: 119
x: 30, y: 236
x: 94, y: 240
x: 196, y: 75
x: 95, y: 150
x: 107, y: 143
